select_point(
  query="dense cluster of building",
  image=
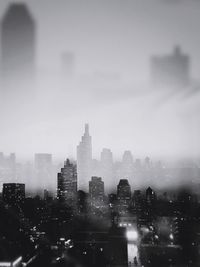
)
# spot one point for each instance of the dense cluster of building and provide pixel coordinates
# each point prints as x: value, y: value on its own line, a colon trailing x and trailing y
x: 96, y: 226
x: 130, y: 228
x: 93, y: 220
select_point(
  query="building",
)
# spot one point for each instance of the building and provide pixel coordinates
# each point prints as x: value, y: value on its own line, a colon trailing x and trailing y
x: 123, y: 195
x: 8, y: 167
x: 18, y: 37
x: 67, y: 183
x: 150, y: 196
x: 96, y: 191
x: 127, y: 165
x: 106, y: 168
x: 43, y: 169
x: 46, y: 195
x: 166, y: 229
x: 13, y: 193
x: 84, y: 160
x: 99, y: 247
x: 171, y: 70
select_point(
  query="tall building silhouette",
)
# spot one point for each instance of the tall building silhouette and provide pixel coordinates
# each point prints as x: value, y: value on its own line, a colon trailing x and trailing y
x: 171, y: 70
x: 8, y: 167
x: 67, y: 183
x: 18, y: 36
x: 106, y: 165
x: 150, y: 196
x: 84, y: 160
x: 127, y: 165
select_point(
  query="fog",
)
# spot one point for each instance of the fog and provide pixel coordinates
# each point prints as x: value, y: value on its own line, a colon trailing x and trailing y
x: 110, y: 86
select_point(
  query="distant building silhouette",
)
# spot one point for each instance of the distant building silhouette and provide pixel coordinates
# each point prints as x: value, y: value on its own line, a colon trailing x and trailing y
x: 138, y: 164
x: 8, y: 167
x: 13, y: 193
x: 106, y: 165
x: 84, y: 160
x: 67, y: 183
x: 171, y: 70
x: 17, y: 45
x: 150, y: 196
x: 127, y: 165
x: 147, y: 163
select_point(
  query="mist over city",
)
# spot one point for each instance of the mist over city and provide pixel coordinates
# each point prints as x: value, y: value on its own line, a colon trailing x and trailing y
x: 91, y: 63
x: 100, y: 126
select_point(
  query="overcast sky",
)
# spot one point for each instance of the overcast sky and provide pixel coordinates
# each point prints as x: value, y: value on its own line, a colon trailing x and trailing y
x: 114, y: 36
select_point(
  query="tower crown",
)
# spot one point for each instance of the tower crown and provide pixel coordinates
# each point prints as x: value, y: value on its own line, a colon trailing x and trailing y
x: 86, y: 129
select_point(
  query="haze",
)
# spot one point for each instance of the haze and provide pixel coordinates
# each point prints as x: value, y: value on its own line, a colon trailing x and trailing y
x: 112, y: 42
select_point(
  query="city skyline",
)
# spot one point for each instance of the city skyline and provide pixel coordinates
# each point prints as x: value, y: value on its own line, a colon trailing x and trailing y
x: 99, y: 133
x: 41, y: 173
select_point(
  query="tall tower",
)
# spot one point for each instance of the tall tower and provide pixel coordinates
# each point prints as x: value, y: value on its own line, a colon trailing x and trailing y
x: 106, y: 165
x: 123, y: 195
x: 67, y: 184
x: 17, y: 45
x: 127, y: 165
x: 84, y: 160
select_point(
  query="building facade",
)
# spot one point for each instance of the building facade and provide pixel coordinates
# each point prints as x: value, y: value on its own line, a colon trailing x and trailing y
x: 96, y: 191
x: 123, y: 195
x: 84, y: 160
x: 67, y: 183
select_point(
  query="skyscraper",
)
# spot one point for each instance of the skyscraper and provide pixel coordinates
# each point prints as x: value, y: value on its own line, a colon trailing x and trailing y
x: 17, y: 45
x: 96, y: 191
x: 171, y: 70
x: 127, y: 165
x: 67, y: 183
x: 84, y: 160
x: 123, y: 195
x: 150, y: 196
x: 106, y: 165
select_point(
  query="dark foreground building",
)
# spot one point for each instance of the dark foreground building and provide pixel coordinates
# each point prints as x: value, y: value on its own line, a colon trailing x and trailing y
x: 101, y: 248
x: 13, y: 193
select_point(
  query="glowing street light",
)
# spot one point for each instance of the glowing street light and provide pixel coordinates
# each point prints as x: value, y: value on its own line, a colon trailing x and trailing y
x: 131, y: 235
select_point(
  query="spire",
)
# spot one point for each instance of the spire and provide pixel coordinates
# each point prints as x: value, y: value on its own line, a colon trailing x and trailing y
x: 67, y: 162
x: 86, y: 129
